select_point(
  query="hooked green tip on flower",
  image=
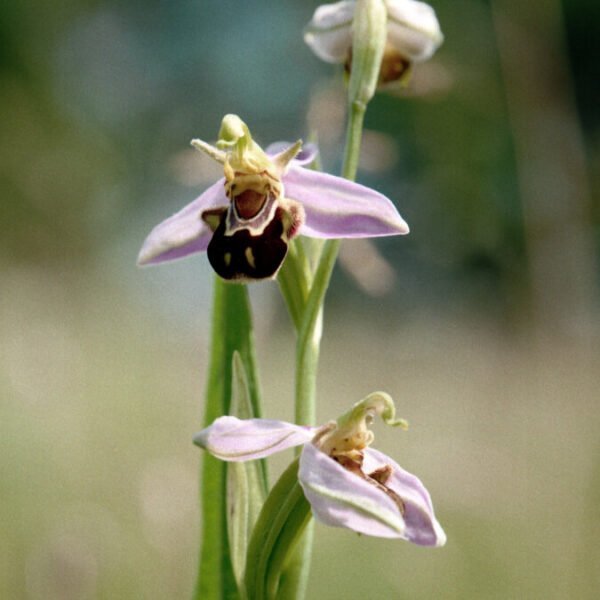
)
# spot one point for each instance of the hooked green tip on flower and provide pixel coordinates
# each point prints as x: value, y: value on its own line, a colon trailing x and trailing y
x: 351, y: 433
x: 348, y: 483
x: 232, y: 129
x: 413, y: 35
x: 245, y: 220
x: 377, y: 403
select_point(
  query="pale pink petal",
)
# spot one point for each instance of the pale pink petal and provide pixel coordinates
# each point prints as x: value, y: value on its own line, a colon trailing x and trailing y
x: 421, y: 525
x: 342, y: 499
x: 185, y: 232
x: 233, y: 439
x: 338, y: 208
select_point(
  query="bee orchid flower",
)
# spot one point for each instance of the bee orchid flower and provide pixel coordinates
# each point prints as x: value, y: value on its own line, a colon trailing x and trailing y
x: 347, y: 483
x: 245, y: 220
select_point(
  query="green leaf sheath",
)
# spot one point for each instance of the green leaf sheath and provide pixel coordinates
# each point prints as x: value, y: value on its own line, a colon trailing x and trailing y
x: 245, y: 492
x: 231, y: 332
x: 294, y: 577
x: 280, y: 525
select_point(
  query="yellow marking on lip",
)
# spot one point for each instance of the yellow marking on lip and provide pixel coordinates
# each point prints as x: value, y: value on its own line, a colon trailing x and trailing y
x: 250, y: 257
x: 227, y: 258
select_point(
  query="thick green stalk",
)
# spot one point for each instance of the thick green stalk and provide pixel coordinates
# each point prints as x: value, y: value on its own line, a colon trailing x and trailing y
x: 294, y: 580
x: 231, y: 332
x: 309, y: 337
x: 309, y: 334
x: 354, y: 129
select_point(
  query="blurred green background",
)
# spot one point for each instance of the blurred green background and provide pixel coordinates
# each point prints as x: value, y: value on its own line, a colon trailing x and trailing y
x: 483, y: 323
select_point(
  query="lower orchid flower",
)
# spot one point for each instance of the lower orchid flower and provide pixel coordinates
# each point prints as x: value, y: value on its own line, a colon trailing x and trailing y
x: 245, y: 221
x: 347, y: 483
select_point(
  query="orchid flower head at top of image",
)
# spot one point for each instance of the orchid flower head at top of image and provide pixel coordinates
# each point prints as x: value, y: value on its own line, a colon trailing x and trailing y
x: 347, y: 483
x: 413, y: 34
x: 245, y: 220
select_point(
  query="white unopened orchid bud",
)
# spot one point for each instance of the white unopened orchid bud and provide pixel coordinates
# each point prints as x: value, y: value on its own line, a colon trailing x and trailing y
x: 413, y: 34
x: 413, y: 29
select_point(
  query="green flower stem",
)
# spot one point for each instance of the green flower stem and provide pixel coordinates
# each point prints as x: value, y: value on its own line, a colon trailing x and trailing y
x: 354, y: 129
x: 294, y: 579
x: 231, y: 332
x: 309, y: 337
x: 309, y: 334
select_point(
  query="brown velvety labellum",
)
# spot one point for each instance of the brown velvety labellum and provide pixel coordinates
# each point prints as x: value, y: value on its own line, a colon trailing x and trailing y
x: 249, y: 203
x: 242, y: 256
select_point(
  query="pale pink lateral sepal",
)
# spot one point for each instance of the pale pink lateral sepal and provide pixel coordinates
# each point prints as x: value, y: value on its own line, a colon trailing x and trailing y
x: 233, y: 439
x: 185, y: 232
x: 338, y: 208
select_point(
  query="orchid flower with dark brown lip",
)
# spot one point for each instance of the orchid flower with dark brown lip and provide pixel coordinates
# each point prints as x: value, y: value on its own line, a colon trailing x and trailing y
x: 245, y: 220
x: 347, y: 483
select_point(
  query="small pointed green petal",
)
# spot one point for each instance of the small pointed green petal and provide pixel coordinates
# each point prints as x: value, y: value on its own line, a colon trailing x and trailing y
x: 283, y: 159
x: 211, y: 151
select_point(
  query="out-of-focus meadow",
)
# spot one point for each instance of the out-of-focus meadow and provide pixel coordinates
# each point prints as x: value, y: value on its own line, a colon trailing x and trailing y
x: 483, y: 323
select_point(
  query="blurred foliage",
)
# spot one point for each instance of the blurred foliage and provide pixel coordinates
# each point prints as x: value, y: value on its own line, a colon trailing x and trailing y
x: 100, y: 365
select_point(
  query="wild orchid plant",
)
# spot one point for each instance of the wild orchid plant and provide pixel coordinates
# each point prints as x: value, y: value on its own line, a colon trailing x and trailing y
x: 253, y: 224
